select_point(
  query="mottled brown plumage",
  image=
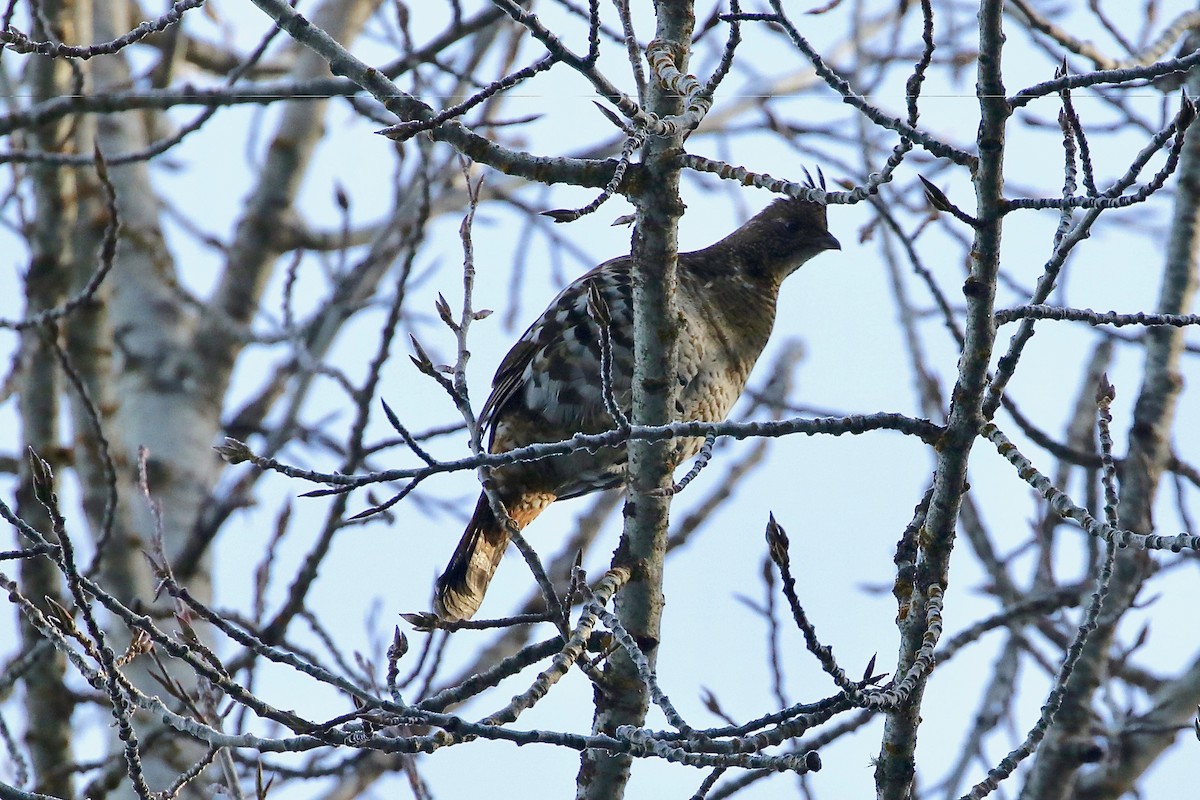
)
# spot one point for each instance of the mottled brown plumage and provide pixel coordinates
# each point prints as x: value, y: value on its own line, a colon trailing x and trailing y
x: 548, y: 387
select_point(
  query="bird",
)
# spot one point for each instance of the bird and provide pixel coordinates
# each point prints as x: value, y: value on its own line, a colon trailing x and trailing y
x: 551, y: 384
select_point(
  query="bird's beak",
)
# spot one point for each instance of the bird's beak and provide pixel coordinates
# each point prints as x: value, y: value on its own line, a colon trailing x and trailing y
x: 831, y: 242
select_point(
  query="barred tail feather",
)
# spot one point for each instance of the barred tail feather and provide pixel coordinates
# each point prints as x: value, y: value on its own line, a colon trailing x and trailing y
x: 461, y: 587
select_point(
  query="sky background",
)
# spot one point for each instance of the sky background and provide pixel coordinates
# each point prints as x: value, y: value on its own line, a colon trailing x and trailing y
x: 843, y: 501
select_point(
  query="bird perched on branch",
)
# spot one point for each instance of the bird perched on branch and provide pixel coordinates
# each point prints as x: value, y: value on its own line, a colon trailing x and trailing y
x: 551, y: 385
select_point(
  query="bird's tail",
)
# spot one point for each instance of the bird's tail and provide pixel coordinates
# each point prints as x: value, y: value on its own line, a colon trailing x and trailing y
x: 461, y: 587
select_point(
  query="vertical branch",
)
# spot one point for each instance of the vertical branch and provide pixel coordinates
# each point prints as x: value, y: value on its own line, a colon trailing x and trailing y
x: 1149, y: 450
x: 54, y: 190
x: 896, y: 766
x: 622, y: 697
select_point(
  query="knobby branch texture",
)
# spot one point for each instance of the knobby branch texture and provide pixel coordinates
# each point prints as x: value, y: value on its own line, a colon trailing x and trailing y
x: 263, y: 259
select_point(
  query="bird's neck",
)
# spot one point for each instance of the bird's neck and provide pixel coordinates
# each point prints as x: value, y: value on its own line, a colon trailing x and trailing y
x: 730, y: 289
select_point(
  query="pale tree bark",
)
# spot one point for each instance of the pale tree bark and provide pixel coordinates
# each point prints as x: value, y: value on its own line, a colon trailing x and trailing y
x: 171, y: 368
x: 896, y: 766
x: 141, y: 373
x: 621, y: 696
x: 48, y: 281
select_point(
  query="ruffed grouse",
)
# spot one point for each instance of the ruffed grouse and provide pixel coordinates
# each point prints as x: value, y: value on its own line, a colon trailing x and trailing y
x: 549, y: 386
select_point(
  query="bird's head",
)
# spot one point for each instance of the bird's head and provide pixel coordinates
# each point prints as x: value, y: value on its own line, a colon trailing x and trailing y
x: 784, y: 235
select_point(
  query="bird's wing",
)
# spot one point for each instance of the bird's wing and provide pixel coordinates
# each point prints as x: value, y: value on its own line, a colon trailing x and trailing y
x: 554, y: 333
x: 508, y: 377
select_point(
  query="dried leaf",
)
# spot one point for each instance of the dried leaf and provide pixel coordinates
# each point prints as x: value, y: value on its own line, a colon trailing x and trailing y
x: 937, y: 198
x: 777, y: 542
x: 443, y: 309
x: 234, y: 451
x: 1187, y: 110
x: 399, y: 645
x: 562, y: 214
x: 611, y: 116
x: 421, y: 621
